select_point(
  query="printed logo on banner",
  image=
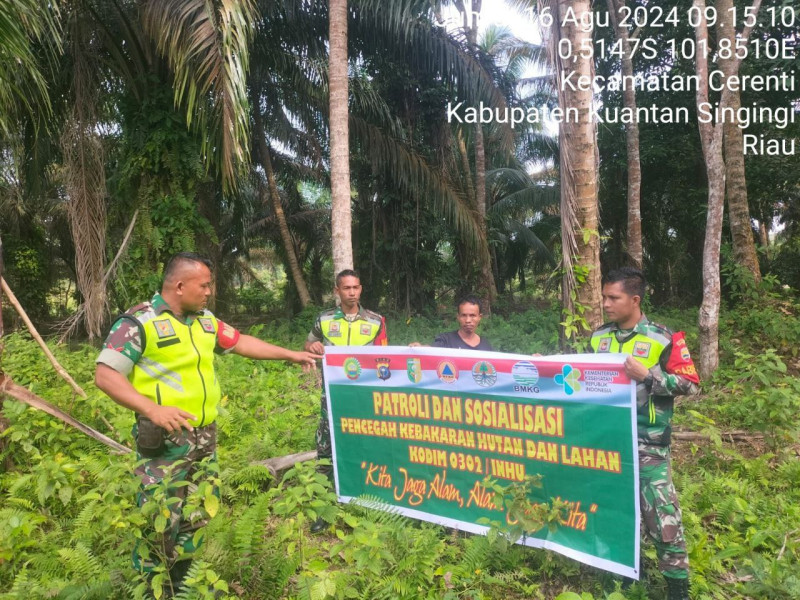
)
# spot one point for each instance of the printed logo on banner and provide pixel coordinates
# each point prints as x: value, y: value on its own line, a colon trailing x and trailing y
x: 484, y: 373
x: 164, y: 328
x: 641, y: 349
x: 352, y: 368
x: 685, y: 352
x: 604, y: 345
x: 447, y: 371
x: 525, y: 373
x: 382, y: 367
x: 569, y: 378
x: 414, y: 370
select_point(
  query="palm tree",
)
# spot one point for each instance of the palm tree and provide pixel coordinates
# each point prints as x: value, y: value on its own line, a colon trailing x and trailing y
x: 744, y: 249
x: 635, y: 250
x: 26, y: 25
x: 578, y: 171
x: 341, y: 219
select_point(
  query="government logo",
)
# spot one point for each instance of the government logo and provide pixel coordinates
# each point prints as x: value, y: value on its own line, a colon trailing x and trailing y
x: 569, y: 379
x: 447, y: 371
x: 414, y: 370
x: 484, y: 373
x: 352, y: 368
x: 382, y: 368
x: 525, y: 373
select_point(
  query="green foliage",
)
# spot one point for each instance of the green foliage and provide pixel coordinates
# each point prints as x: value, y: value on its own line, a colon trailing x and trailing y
x: 68, y: 517
x: 160, y: 172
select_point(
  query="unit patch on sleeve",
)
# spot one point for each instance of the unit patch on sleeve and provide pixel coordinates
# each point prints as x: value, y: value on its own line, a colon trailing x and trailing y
x: 164, y: 328
x: 641, y: 349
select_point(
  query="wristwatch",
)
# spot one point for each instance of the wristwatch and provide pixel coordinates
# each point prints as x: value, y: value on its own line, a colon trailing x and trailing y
x: 648, y: 381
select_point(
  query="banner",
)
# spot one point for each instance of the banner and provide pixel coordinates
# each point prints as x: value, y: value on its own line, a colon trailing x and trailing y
x: 420, y: 429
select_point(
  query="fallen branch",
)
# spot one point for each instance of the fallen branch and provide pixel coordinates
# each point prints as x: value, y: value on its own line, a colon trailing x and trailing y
x: 35, y: 334
x: 736, y: 435
x: 281, y: 463
x: 22, y: 394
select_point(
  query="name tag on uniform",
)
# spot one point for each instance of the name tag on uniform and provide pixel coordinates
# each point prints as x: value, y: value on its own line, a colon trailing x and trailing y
x: 207, y: 324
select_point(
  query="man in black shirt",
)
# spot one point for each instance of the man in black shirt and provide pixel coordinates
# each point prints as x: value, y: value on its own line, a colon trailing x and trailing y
x: 470, y: 311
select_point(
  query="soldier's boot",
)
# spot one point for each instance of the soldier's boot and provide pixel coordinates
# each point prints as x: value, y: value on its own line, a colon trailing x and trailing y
x: 319, y: 525
x: 177, y: 573
x: 677, y: 589
x: 627, y: 582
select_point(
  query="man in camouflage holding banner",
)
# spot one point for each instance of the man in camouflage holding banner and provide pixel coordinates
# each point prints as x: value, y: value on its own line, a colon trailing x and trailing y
x: 348, y: 324
x: 158, y: 360
x: 660, y: 363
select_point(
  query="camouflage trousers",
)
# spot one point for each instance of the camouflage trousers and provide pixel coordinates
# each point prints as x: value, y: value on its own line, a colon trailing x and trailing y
x: 323, y: 438
x: 661, y: 512
x: 188, y: 458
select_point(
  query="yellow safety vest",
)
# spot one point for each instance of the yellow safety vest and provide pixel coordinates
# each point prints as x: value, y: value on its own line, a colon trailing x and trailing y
x: 177, y: 363
x: 338, y: 331
x: 647, y: 349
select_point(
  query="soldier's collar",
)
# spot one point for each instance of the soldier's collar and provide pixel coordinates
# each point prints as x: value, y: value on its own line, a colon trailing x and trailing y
x: 339, y: 314
x: 160, y: 306
x: 624, y: 336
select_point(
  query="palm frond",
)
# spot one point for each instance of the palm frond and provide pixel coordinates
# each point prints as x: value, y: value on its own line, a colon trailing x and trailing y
x: 206, y: 44
x: 26, y: 26
x: 414, y: 175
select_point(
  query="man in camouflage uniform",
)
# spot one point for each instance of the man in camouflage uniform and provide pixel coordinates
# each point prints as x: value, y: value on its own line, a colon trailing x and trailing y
x: 350, y: 324
x: 158, y: 360
x: 660, y: 362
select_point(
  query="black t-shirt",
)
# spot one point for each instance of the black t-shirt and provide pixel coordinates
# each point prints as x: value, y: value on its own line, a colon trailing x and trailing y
x: 451, y: 339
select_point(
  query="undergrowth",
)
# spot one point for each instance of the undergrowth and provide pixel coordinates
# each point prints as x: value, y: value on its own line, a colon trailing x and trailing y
x: 68, y: 520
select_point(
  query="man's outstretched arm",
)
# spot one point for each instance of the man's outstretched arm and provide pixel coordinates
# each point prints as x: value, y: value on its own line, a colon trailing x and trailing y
x: 252, y: 347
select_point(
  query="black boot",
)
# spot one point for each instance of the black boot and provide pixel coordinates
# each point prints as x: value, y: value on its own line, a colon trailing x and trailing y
x: 319, y: 525
x: 677, y: 589
x: 177, y: 573
x: 627, y: 582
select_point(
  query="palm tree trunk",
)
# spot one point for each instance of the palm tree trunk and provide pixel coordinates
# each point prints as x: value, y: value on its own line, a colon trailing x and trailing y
x: 763, y: 234
x: 635, y: 250
x: 85, y: 182
x: 744, y: 249
x: 486, y: 285
x: 277, y: 207
x: 578, y: 146
x: 341, y: 217
x: 711, y: 139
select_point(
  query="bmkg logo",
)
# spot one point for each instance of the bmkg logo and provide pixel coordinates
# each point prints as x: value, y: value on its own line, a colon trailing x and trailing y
x: 569, y: 378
